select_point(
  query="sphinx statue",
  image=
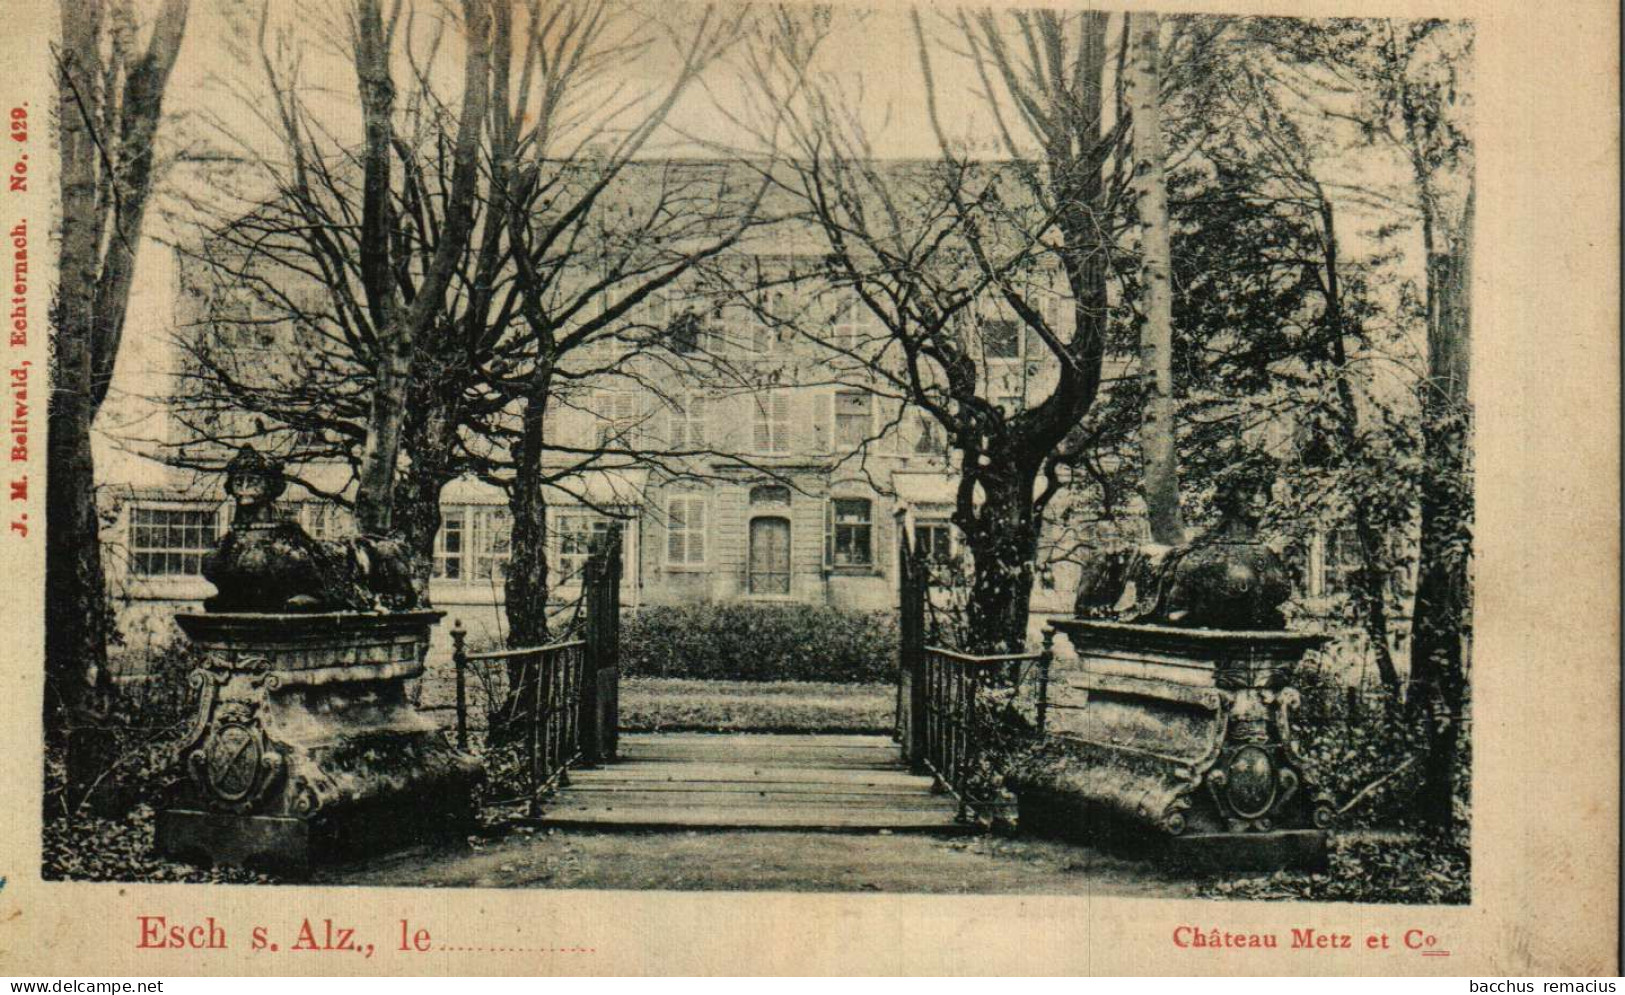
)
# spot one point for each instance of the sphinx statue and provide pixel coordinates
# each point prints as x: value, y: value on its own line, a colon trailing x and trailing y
x: 268, y: 564
x: 1224, y: 579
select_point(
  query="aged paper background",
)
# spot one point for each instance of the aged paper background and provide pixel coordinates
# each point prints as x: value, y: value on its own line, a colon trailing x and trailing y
x: 1546, y: 813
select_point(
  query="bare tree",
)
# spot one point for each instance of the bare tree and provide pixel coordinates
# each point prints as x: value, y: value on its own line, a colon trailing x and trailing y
x: 957, y: 258
x: 110, y: 95
x: 581, y: 273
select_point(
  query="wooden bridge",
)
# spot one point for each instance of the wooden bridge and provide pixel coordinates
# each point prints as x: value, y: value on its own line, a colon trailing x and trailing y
x: 700, y: 780
x: 581, y: 771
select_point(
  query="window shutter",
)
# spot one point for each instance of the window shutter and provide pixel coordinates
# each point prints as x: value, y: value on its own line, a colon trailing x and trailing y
x: 829, y: 533
x: 781, y: 421
x: 696, y: 530
x: 675, y: 546
x: 823, y: 404
x: 760, y: 426
x: 698, y: 429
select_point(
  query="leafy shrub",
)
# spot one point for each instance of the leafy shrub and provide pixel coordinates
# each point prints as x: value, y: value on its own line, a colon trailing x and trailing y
x: 652, y: 704
x: 757, y: 642
x: 81, y: 847
x: 1353, y: 738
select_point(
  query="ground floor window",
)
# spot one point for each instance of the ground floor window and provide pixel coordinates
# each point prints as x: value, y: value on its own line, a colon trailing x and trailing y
x: 473, y: 544
x: 576, y: 532
x: 449, y: 544
x: 851, y: 532
x: 493, y: 543
x: 934, y: 539
x: 685, y: 531
x: 171, y: 542
x: 326, y: 521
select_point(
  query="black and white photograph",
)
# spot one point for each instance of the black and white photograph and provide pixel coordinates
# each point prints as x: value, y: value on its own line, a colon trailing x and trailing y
x: 596, y: 444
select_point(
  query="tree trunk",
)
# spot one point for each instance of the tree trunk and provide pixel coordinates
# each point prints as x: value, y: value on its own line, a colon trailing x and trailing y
x: 526, y: 588
x: 417, y: 499
x: 1371, y: 598
x: 398, y: 326
x: 1442, y: 620
x: 1158, y: 445
x: 88, y: 315
x: 1002, y: 535
x: 527, y: 585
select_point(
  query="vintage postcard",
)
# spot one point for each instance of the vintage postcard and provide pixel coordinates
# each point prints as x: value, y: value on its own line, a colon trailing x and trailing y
x: 783, y: 488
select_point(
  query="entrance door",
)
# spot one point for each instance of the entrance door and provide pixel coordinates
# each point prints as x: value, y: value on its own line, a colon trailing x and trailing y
x: 770, y: 556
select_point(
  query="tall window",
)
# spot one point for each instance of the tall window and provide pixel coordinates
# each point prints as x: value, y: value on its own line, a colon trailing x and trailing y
x: 855, y: 327
x: 1344, y: 561
x: 688, y: 421
x: 934, y: 539
x: 851, y: 533
x: 451, y: 544
x: 771, y: 422
x: 171, y: 542
x: 854, y: 417
x: 493, y: 537
x: 685, y: 530
x: 929, y: 439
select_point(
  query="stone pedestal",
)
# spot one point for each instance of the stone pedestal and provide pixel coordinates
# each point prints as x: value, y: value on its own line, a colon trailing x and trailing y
x: 305, y: 749
x: 1183, y: 745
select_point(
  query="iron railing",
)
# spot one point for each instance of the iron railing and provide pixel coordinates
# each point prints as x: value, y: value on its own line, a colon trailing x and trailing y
x: 965, y: 698
x: 543, y: 712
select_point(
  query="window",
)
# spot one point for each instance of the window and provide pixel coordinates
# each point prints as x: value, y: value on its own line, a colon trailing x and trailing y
x: 934, y: 539
x: 171, y: 542
x: 326, y: 521
x: 687, y: 333
x: 763, y: 338
x: 1001, y: 338
x: 654, y: 314
x: 929, y: 438
x: 770, y: 496
x: 1344, y: 561
x: 493, y: 534
x: 685, y: 531
x: 1011, y: 402
x: 854, y: 417
x: 450, y: 544
x: 688, y: 421
x: 855, y: 327
x: 576, y: 533
x: 771, y: 422
x: 851, y: 536
x: 617, y: 417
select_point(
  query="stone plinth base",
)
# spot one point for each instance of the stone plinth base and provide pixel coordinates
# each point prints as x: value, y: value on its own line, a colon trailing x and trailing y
x: 1182, y: 748
x: 305, y: 748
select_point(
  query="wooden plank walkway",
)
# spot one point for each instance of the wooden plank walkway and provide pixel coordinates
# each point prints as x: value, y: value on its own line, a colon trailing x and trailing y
x: 714, y: 781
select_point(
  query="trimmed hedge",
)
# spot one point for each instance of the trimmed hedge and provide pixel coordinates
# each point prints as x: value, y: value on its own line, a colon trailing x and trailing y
x: 745, y: 641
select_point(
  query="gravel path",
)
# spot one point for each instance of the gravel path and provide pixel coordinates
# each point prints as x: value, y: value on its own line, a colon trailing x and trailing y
x: 768, y: 861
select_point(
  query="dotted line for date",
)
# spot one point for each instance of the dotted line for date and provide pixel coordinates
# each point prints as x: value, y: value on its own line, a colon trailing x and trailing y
x: 517, y: 950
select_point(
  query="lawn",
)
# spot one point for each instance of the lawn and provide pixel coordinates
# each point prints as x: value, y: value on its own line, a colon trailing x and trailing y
x: 653, y: 704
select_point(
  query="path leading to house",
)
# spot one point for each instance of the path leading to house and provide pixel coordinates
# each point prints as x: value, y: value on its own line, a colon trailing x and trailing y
x: 699, y: 811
